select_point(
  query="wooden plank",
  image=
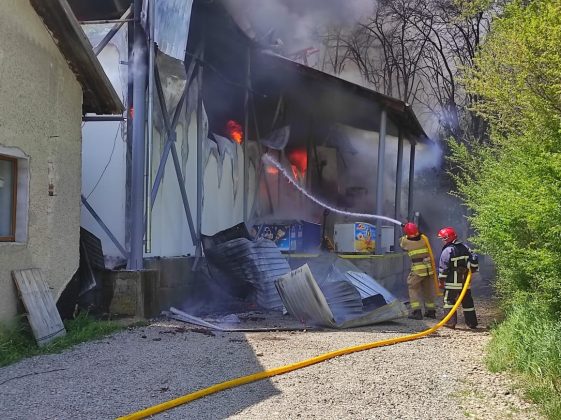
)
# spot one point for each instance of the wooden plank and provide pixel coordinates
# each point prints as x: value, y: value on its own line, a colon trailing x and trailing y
x: 42, y: 313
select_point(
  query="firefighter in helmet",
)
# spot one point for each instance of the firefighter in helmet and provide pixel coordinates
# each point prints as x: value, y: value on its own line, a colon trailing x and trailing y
x: 456, y: 260
x: 420, y: 281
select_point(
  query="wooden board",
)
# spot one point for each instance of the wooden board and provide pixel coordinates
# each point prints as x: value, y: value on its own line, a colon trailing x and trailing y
x: 42, y: 313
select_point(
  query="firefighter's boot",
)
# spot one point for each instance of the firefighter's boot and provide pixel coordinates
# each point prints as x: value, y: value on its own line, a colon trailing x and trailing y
x: 430, y: 313
x: 416, y: 314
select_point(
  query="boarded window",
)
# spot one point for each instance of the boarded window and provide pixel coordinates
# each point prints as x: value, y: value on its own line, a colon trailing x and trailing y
x: 8, y: 190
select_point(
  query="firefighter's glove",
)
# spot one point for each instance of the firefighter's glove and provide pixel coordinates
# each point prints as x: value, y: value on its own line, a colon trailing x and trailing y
x: 441, y: 284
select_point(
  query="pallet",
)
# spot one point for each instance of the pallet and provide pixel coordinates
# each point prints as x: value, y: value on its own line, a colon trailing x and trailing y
x: 42, y: 312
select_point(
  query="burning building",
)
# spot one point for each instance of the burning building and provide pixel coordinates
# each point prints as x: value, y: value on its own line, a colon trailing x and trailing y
x: 205, y: 103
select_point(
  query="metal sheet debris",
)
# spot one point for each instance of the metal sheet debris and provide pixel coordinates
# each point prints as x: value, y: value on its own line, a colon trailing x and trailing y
x: 258, y: 262
x: 334, y: 304
x: 179, y: 315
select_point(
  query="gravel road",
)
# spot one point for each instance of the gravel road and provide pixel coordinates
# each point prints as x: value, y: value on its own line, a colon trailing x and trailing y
x: 439, y: 377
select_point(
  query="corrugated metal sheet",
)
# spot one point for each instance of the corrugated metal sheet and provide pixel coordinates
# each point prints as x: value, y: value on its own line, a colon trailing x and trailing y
x: 333, y: 305
x: 171, y: 27
x: 367, y: 286
x: 258, y: 262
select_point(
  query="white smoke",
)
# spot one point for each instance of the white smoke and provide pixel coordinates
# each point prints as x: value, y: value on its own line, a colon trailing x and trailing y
x: 295, y: 22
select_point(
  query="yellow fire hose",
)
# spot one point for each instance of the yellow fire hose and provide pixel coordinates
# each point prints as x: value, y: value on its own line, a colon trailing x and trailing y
x: 433, y: 265
x: 150, y: 411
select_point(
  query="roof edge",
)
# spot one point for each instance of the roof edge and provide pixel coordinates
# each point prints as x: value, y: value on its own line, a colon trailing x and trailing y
x: 99, y: 95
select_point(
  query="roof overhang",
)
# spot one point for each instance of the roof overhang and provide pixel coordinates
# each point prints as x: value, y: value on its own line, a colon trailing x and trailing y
x: 99, y: 95
x: 339, y: 98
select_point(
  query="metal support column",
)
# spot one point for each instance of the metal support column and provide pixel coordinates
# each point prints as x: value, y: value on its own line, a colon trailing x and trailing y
x: 398, y: 185
x: 200, y: 140
x: 150, y: 127
x: 246, y: 136
x: 411, y: 182
x: 138, y: 139
x: 128, y: 155
x: 380, y: 178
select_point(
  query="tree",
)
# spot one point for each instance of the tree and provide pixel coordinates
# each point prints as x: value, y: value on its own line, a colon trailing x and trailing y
x: 416, y: 50
x: 513, y: 186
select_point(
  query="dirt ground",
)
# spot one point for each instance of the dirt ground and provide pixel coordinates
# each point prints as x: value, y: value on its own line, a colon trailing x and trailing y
x: 439, y: 377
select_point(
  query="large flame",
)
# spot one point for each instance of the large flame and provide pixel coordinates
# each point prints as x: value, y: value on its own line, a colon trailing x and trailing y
x: 234, y: 130
x: 298, y: 159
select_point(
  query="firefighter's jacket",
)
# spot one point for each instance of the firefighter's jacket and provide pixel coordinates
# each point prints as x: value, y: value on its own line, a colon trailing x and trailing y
x: 455, y: 261
x: 419, y: 254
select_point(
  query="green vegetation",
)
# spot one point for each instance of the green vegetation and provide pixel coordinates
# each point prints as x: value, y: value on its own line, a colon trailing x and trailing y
x: 513, y: 186
x: 17, y: 342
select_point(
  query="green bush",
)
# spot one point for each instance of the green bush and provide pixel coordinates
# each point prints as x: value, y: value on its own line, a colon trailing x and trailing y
x: 513, y: 187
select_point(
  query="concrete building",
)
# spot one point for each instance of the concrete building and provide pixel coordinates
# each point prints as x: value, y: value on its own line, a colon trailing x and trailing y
x: 49, y: 77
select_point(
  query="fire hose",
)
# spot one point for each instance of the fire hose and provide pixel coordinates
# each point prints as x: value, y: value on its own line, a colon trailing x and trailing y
x: 433, y: 265
x: 150, y: 411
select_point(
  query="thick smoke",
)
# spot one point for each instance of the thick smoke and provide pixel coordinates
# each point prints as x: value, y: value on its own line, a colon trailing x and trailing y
x: 293, y: 24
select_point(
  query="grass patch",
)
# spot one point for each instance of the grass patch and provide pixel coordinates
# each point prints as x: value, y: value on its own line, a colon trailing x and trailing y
x: 17, y: 342
x: 528, y: 343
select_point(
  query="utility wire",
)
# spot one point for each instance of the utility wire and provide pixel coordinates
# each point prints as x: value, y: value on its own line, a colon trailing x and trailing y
x: 107, y: 164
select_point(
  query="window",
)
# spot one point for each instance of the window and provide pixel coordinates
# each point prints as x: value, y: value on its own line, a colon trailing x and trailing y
x: 8, y: 198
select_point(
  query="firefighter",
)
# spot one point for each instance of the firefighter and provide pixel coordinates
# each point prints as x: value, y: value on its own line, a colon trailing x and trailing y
x: 420, y: 281
x: 456, y: 260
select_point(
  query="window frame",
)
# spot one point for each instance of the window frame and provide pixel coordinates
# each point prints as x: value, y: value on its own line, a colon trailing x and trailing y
x: 14, y: 161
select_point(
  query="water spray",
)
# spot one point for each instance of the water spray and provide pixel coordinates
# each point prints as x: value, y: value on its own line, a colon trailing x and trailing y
x: 272, y: 161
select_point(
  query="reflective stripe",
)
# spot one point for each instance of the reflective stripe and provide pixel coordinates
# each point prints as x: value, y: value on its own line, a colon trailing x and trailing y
x: 430, y: 305
x: 469, y: 309
x: 453, y: 286
x: 421, y: 269
x: 415, y: 305
x: 442, y: 276
x: 421, y: 264
x: 463, y: 257
x: 419, y: 251
x: 448, y: 306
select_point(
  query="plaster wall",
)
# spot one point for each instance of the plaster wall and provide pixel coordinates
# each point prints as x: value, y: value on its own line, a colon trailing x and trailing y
x: 40, y: 116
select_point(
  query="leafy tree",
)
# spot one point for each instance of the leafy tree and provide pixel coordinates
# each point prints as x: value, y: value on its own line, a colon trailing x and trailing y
x: 513, y: 187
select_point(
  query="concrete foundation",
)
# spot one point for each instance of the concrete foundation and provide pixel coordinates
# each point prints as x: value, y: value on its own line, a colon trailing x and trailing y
x: 172, y: 282
x: 132, y: 293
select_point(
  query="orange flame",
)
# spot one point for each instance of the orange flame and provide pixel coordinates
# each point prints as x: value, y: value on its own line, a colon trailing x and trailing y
x: 235, y: 131
x: 294, y: 171
x: 299, y: 162
x: 271, y: 170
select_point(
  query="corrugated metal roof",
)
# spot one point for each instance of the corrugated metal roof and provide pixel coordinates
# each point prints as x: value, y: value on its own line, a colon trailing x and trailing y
x: 276, y: 66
